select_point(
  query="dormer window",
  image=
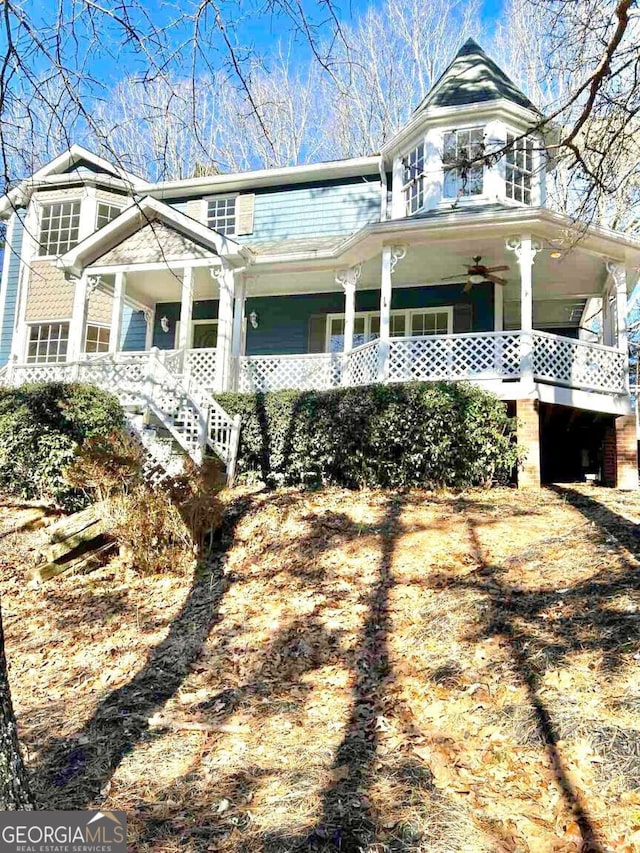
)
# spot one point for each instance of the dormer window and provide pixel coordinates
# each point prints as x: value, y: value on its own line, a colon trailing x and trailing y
x: 461, y: 148
x: 413, y: 179
x: 519, y: 169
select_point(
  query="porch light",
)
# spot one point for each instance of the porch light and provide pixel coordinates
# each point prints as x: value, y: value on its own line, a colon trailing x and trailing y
x: 164, y: 323
x: 254, y: 319
x: 555, y: 254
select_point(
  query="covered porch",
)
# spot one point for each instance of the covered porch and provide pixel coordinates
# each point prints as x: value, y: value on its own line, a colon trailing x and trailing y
x: 381, y: 308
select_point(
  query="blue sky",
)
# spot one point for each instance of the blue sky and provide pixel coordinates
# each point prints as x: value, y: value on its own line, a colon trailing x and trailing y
x: 258, y: 32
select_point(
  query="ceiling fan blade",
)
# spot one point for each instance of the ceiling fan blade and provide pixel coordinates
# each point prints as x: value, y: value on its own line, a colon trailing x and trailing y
x: 496, y: 269
x: 496, y: 279
x: 467, y: 287
x: 453, y: 278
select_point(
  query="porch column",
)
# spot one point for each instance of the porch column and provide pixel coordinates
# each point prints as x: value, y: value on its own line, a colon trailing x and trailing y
x: 619, y: 281
x: 77, y: 326
x: 390, y: 257
x: 349, y: 279
x: 237, y: 333
x: 525, y: 250
x: 186, y: 309
x: 225, y: 279
x: 116, y: 313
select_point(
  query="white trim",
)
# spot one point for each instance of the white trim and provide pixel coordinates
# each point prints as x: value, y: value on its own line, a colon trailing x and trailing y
x: 60, y: 164
x: 210, y: 184
x: 38, y: 205
x: 24, y: 357
x: 407, y: 313
x: 9, y: 251
x: 221, y: 197
x: 193, y: 324
x: 135, y: 217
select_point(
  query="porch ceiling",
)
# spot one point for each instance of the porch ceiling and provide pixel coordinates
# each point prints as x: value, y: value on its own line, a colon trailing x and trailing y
x: 150, y: 286
x: 560, y: 286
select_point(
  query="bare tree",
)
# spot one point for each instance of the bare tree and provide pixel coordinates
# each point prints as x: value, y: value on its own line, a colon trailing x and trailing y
x: 580, y: 62
x: 388, y: 62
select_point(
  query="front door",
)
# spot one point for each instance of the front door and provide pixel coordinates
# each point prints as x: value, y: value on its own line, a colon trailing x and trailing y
x: 205, y: 335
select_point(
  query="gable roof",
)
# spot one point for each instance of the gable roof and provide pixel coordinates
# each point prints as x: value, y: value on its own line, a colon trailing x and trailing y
x: 75, y: 161
x: 177, y: 235
x: 473, y: 77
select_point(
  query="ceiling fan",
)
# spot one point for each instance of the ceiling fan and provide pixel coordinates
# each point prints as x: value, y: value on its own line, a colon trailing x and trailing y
x: 477, y: 273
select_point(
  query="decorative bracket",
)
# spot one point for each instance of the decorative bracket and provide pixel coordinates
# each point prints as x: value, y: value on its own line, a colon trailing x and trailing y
x: 349, y: 277
x: 618, y: 273
x: 148, y: 316
x: 398, y: 253
x: 514, y: 244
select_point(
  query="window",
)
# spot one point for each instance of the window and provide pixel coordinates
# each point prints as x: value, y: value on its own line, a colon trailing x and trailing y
x: 221, y: 215
x: 436, y: 321
x: 519, y: 169
x: 413, y: 179
x: 59, y: 227
x: 48, y: 343
x: 97, y: 339
x: 106, y: 212
x: 461, y: 147
x: 366, y: 326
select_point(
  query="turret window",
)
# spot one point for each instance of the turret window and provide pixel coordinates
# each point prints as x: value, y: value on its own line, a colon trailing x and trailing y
x: 519, y: 169
x: 413, y: 179
x: 463, y: 176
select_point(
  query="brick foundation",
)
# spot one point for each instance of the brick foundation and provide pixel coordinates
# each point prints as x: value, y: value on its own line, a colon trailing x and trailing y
x: 620, y: 458
x: 528, y: 433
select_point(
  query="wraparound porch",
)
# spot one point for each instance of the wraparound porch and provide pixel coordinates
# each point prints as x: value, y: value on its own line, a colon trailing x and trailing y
x: 508, y: 363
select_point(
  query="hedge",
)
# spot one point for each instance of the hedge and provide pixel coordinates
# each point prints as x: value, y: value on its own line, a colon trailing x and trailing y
x: 41, y: 427
x: 418, y: 434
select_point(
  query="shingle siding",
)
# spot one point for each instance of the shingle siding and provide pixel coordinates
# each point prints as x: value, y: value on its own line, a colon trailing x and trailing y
x: 11, y: 256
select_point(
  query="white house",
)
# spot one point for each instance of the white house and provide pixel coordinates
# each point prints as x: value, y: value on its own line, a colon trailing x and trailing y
x: 411, y: 264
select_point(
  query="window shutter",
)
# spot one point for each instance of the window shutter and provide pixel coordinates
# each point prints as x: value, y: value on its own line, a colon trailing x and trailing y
x: 194, y: 208
x: 245, y: 205
x: 317, y: 329
x: 462, y: 317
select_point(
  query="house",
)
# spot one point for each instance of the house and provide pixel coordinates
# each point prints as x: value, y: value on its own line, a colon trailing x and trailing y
x: 416, y: 263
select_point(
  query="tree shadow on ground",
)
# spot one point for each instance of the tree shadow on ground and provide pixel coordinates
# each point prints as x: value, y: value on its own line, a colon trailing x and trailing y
x: 585, y: 621
x: 71, y: 771
x: 346, y: 822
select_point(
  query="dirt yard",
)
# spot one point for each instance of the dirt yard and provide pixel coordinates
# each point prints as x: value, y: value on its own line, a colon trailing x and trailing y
x: 351, y: 672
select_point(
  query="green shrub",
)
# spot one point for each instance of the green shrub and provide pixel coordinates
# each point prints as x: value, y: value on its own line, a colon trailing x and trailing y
x: 418, y: 434
x: 41, y: 427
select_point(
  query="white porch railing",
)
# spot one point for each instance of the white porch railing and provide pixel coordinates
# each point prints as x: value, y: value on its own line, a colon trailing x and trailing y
x: 277, y: 372
x: 483, y: 355
x: 200, y: 365
x: 579, y: 364
x: 146, y: 380
x: 476, y: 357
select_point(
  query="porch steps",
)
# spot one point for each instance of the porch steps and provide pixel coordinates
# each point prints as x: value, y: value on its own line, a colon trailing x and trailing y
x: 164, y: 458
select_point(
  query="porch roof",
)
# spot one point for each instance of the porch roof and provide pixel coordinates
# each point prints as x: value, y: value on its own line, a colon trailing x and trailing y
x: 489, y: 221
x: 149, y: 233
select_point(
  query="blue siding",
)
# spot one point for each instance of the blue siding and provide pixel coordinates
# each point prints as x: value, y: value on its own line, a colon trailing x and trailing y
x: 284, y: 320
x: 134, y: 330
x: 316, y: 210
x: 204, y: 309
x: 12, y: 258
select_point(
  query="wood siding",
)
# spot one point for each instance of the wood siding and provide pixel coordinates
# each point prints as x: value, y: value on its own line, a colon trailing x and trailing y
x: 9, y: 300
